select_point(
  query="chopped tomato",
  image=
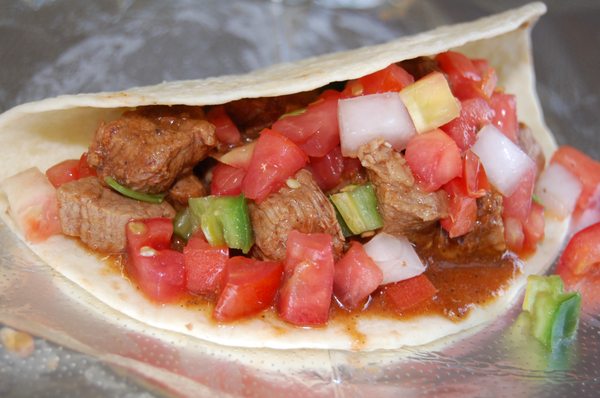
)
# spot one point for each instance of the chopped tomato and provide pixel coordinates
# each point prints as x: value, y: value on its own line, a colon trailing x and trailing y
x: 579, y: 266
x: 63, y: 172
x: 456, y: 64
x: 225, y: 130
x: 250, y: 287
x: 463, y: 75
x: 533, y: 227
x: 474, y: 177
x: 406, y: 294
x: 513, y: 233
x: 582, y: 253
x: 158, y: 270
x: 316, y: 130
x: 474, y: 114
x: 327, y: 170
x: 85, y: 170
x: 226, y: 180
x: 69, y: 170
x: 585, y: 168
x: 204, y: 266
x: 505, y: 114
x: 489, y: 78
x: 356, y: 277
x: 274, y: 160
x: 305, y: 295
x: 434, y: 159
x: 352, y: 168
x: 518, y: 204
x: 462, y: 209
x: 392, y: 78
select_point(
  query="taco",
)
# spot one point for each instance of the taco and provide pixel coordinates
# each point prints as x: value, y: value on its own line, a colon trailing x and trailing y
x: 349, y: 201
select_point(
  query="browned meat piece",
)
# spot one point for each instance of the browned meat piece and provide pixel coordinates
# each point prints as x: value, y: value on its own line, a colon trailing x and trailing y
x: 251, y: 115
x: 421, y: 66
x: 405, y: 208
x: 305, y: 209
x: 98, y: 215
x: 148, y: 148
x: 531, y: 147
x: 186, y: 187
x: 480, y: 246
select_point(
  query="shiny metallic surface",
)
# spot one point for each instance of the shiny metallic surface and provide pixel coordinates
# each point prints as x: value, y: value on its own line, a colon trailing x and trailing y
x: 52, y: 47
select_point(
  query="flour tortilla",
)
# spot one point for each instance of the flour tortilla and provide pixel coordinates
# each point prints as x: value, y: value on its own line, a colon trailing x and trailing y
x: 45, y: 132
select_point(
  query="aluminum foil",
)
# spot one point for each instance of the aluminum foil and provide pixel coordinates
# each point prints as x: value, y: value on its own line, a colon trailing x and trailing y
x: 51, y: 47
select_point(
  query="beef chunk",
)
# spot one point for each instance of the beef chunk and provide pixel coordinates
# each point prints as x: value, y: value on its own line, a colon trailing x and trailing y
x: 405, y: 208
x: 484, y: 242
x: 98, y: 215
x: 148, y: 148
x: 186, y: 187
x: 305, y: 209
x: 251, y: 115
x: 531, y: 147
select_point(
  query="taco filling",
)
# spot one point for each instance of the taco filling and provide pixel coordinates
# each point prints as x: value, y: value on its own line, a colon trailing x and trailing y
x: 407, y: 191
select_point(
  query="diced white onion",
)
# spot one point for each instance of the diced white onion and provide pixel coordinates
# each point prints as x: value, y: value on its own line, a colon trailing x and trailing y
x: 367, y: 117
x: 504, y: 162
x: 396, y: 257
x: 558, y: 190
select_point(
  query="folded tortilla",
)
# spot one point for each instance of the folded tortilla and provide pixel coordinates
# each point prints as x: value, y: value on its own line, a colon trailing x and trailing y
x: 45, y: 132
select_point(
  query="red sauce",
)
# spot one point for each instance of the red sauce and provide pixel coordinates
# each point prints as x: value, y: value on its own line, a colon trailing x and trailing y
x: 460, y: 287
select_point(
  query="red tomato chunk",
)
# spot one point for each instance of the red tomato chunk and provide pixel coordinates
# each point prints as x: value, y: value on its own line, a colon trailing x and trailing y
x: 533, y: 228
x: 393, y: 78
x: 204, y: 265
x: 316, y: 130
x: 305, y: 295
x: 505, y: 114
x: 69, y: 170
x: 250, y: 287
x: 585, y: 168
x: 274, y: 160
x: 582, y: 253
x: 474, y: 114
x: 158, y: 270
x: 406, y: 294
x: 225, y: 129
x: 462, y: 209
x: 434, y: 159
x: 356, y: 277
x: 226, y: 180
x: 327, y: 170
x: 474, y: 177
x: 464, y: 76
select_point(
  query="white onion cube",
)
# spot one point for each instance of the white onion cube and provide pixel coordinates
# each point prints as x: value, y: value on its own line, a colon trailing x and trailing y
x: 396, y: 257
x: 504, y: 162
x: 365, y: 118
x: 558, y: 190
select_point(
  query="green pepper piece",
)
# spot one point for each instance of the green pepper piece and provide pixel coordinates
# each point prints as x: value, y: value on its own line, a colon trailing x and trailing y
x: 357, y: 205
x: 184, y: 224
x: 130, y: 193
x: 224, y: 220
x: 540, y: 283
x: 345, y: 230
x: 555, y: 317
x: 566, y: 318
x: 203, y: 214
x: 233, y: 213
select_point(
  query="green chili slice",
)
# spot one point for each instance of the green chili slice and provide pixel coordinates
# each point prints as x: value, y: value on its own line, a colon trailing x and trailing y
x: 130, y: 193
